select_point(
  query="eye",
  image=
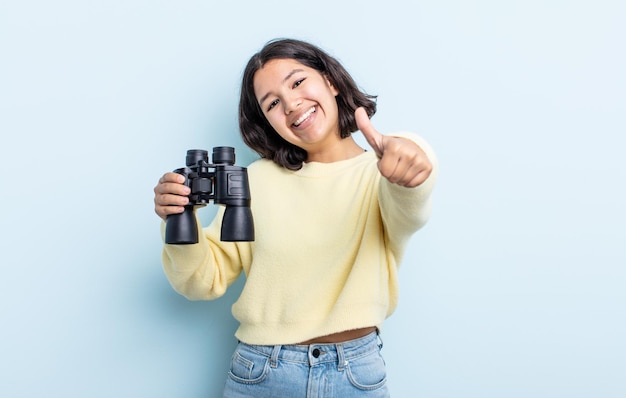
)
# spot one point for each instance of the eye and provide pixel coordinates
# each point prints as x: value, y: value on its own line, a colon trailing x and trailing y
x: 298, y: 82
x: 272, y: 105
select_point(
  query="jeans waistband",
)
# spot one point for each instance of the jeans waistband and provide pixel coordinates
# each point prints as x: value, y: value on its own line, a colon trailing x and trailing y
x: 314, y: 354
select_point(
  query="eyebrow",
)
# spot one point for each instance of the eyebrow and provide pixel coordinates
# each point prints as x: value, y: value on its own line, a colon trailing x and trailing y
x: 293, y: 72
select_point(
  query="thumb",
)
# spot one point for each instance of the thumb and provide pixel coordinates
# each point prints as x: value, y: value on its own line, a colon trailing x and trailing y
x: 373, y: 137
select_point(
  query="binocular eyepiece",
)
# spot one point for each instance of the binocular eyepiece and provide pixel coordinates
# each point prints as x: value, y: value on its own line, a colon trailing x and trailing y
x: 226, y: 185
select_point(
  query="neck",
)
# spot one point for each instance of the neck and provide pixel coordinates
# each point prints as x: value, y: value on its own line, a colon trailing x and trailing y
x: 343, y: 149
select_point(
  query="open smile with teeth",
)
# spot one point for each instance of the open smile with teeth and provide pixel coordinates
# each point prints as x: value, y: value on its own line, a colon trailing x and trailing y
x: 304, y: 116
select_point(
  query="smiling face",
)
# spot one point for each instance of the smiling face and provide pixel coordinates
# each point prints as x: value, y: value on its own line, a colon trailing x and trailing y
x: 299, y: 103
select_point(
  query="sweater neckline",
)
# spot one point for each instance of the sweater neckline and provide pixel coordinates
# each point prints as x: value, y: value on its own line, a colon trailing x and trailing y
x: 319, y: 169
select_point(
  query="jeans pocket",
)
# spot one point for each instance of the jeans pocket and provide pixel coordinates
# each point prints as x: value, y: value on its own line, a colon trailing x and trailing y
x: 368, y: 372
x: 248, y: 366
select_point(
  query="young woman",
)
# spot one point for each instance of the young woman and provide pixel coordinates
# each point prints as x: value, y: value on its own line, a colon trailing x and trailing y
x: 332, y: 220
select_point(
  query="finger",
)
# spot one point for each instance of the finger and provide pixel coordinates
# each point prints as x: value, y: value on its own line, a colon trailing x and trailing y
x: 405, y: 174
x: 165, y: 211
x: 172, y: 183
x: 404, y: 163
x: 418, y: 179
x: 373, y: 137
x: 173, y: 188
x: 395, y: 164
x: 171, y: 200
x: 170, y: 195
x: 172, y: 177
x: 167, y: 204
x: 391, y: 168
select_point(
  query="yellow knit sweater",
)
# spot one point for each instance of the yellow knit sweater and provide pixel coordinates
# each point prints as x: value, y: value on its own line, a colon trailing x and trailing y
x: 329, y: 239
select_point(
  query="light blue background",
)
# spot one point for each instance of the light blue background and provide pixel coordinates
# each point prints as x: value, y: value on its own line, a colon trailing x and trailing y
x: 516, y: 288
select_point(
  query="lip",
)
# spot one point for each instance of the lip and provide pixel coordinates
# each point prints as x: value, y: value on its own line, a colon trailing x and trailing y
x: 311, y: 113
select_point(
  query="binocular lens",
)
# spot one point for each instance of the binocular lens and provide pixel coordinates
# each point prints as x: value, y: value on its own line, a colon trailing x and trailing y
x: 182, y: 228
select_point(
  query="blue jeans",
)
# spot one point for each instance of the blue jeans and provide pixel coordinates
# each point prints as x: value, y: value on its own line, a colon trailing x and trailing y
x: 353, y: 368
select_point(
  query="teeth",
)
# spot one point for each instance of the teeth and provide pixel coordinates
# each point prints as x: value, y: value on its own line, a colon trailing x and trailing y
x: 304, y: 117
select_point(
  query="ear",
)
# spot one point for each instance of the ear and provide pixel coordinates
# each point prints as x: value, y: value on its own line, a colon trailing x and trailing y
x: 332, y: 87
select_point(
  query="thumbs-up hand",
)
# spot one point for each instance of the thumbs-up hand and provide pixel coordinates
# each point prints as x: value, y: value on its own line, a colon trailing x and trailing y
x: 401, y: 161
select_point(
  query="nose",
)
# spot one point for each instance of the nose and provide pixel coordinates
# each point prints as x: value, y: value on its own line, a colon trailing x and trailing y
x: 293, y: 103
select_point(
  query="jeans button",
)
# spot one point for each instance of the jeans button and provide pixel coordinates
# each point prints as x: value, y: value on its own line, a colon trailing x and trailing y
x: 316, y: 353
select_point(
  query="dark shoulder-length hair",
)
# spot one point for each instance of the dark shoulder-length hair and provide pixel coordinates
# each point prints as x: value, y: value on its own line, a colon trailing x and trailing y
x: 256, y: 131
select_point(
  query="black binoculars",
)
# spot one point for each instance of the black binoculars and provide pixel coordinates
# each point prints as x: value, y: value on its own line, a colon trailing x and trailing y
x: 227, y: 185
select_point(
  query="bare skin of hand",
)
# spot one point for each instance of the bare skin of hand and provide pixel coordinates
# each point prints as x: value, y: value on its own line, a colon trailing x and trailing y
x: 170, y: 195
x: 401, y: 161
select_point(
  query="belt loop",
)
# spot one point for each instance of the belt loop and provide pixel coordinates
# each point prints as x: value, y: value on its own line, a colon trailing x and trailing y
x: 341, y: 358
x: 380, y: 339
x: 274, y: 356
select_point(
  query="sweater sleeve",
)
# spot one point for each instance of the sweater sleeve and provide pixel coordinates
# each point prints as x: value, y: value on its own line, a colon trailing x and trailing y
x: 406, y: 210
x: 203, y: 271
